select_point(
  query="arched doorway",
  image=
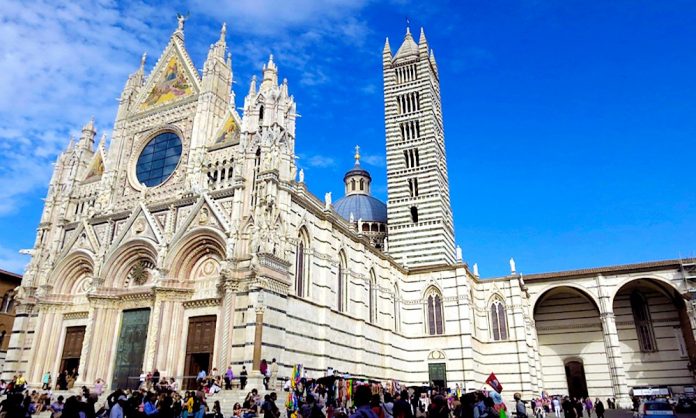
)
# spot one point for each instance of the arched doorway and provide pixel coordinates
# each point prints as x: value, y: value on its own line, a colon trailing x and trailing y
x: 575, y: 378
x: 655, y: 333
x: 572, y: 352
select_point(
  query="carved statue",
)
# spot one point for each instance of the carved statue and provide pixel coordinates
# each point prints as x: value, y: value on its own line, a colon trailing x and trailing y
x: 301, y: 175
x: 476, y: 272
x: 513, y: 270
x: 181, y: 19
x: 327, y: 200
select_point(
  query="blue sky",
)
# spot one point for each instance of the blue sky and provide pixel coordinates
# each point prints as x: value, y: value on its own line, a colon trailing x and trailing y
x: 569, y: 125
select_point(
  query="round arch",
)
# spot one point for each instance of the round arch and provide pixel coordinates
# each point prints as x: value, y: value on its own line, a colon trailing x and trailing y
x: 664, y: 286
x: 75, y: 266
x: 555, y: 287
x: 118, y: 265
x: 191, y: 248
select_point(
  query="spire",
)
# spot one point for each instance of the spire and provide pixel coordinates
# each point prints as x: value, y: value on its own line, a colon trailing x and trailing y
x: 387, y: 47
x: 223, y: 32
x: 421, y: 39
x: 252, y: 86
x: 143, y: 59
x: 357, y: 155
x: 432, y: 61
x: 408, y: 48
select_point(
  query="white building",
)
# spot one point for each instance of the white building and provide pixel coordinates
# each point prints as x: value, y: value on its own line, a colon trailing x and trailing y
x: 192, y: 241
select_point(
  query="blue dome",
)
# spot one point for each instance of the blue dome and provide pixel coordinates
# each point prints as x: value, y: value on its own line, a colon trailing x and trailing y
x: 362, y: 207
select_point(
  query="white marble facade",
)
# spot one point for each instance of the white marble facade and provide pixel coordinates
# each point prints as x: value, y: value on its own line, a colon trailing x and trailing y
x: 232, y: 234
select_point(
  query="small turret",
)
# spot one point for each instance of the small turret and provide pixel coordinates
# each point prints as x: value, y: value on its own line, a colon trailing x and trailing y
x: 88, y: 133
x: 270, y: 75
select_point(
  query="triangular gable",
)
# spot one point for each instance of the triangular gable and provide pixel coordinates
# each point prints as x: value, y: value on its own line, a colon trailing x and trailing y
x: 173, y: 78
x: 229, y: 131
x: 206, y: 212
x: 96, y: 167
x: 141, y: 224
x: 82, y: 237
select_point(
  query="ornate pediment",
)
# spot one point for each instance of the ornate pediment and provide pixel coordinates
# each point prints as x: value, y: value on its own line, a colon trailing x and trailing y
x: 173, y: 78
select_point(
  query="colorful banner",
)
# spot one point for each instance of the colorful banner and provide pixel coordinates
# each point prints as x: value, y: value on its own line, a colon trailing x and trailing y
x: 493, y: 382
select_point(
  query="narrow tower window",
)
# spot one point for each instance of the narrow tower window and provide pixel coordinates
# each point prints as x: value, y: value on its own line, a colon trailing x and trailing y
x: 260, y: 116
x: 414, y: 214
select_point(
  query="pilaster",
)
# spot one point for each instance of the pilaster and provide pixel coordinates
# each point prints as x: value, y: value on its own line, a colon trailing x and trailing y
x: 613, y: 347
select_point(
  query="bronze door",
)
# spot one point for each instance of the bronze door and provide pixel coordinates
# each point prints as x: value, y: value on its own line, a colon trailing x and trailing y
x: 130, y: 351
x: 199, y: 347
x: 438, y: 374
x: 72, y: 348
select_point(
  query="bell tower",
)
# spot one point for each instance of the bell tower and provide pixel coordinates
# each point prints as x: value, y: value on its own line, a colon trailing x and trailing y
x: 421, y: 230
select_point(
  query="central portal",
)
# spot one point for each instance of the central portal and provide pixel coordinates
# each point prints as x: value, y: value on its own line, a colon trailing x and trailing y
x: 199, y: 348
x: 72, y: 348
x: 130, y: 352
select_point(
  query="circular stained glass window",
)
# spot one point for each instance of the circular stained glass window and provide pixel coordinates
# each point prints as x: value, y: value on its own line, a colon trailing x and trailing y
x: 158, y: 159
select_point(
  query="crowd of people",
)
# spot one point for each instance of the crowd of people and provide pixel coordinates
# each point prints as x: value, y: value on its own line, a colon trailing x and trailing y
x: 330, y: 397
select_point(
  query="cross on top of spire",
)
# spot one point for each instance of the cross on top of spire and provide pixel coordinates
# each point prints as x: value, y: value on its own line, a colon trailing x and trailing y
x: 357, y: 155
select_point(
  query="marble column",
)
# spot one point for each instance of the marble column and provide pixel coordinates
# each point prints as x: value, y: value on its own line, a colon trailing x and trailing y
x: 227, y: 314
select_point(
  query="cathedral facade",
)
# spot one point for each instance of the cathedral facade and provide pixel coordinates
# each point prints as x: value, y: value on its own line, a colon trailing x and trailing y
x: 192, y: 242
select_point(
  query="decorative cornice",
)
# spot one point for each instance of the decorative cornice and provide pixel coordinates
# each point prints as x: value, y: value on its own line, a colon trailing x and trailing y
x: 202, y: 303
x: 75, y: 315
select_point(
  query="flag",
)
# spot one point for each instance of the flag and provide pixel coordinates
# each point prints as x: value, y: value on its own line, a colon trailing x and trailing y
x: 493, y: 382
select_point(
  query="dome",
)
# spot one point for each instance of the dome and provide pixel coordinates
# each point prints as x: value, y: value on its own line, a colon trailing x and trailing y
x: 363, y: 207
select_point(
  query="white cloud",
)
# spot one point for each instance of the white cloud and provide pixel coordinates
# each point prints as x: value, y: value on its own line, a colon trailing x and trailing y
x: 62, y: 63
x: 320, y: 161
x: 373, y: 160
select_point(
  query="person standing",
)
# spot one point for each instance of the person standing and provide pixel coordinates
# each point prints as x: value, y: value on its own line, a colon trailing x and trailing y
x: 243, y: 378
x: 599, y: 408
x: 273, y: 374
x: 520, y: 409
x: 229, y: 375
x: 46, y: 381
x: 263, y: 368
x: 556, y: 407
x: 588, y: 407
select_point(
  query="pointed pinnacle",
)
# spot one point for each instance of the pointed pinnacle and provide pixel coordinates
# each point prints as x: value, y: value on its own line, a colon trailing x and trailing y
x: 223, y: 31
x: 387, y: 47
x: 422, y: 39
x: 142, y: 60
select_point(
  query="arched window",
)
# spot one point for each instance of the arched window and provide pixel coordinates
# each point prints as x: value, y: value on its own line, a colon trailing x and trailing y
x: 362, y: 184
x: 643, y: 323
x: 341, y: 283
x: 397, y: 308
x: 2, y: 337
x: 260, y: 116
x: 302, y: 265
x: 434, y: 312
x: 372, y: 297
x: 352, y: 185
x: 499, y: 329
